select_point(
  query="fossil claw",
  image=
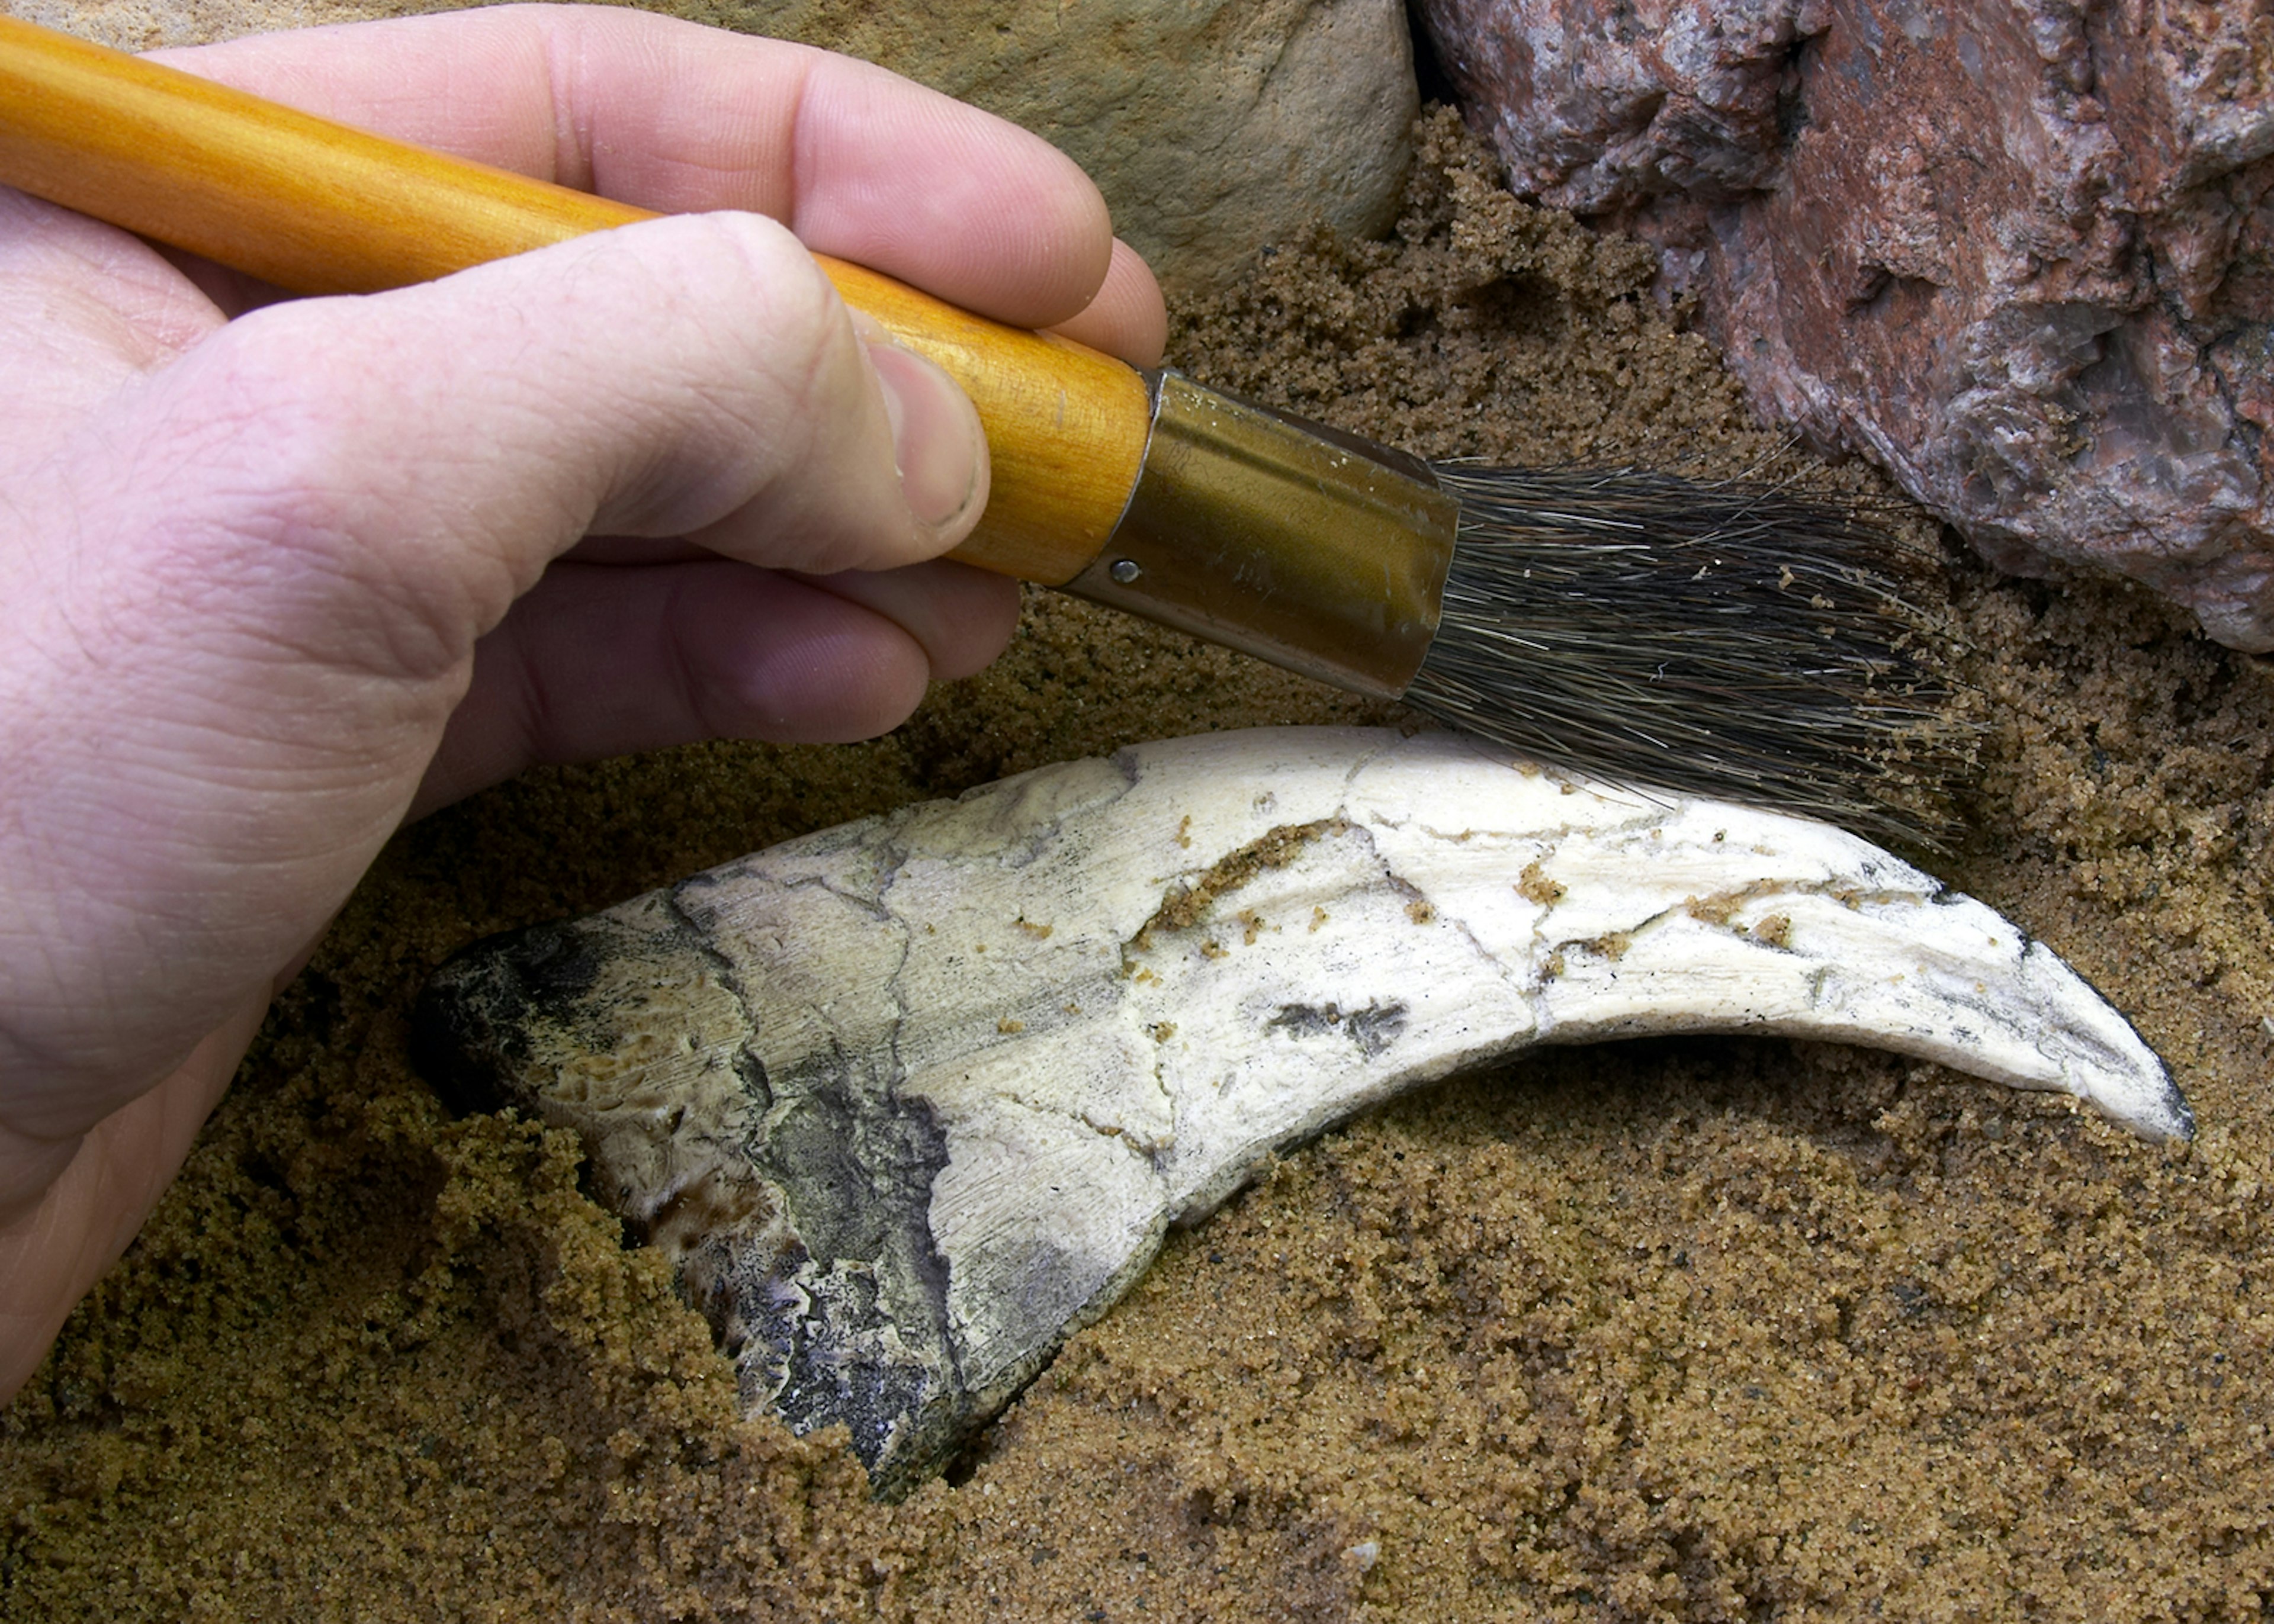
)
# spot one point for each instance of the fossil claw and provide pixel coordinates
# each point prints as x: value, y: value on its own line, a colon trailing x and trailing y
x: 912, y: 1099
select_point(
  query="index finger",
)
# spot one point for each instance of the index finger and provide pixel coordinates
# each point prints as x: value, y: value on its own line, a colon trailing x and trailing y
x: 857, y: 161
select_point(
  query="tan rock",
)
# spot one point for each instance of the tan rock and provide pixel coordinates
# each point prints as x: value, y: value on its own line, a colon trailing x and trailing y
x: 1213, y: 127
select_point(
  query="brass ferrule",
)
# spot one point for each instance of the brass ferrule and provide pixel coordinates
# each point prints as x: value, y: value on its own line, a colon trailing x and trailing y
x: 1285, y: 539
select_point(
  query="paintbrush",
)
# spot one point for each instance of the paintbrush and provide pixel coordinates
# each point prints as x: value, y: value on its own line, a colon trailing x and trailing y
x: 1729, y: 639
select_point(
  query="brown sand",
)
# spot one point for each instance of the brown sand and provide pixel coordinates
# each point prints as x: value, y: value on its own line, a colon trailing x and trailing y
x: 1701, y: 1329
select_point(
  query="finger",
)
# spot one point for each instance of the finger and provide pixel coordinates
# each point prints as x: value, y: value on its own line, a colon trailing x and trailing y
x: 606, y: 660
x: 962, y: 616
x: 858, y: 161
x: 1128, y: 318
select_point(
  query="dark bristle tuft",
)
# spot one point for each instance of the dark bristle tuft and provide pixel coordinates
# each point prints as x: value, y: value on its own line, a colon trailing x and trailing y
x: 1735, y: 640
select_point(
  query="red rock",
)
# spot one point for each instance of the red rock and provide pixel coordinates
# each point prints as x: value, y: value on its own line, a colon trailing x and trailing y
x: 2020, y: 253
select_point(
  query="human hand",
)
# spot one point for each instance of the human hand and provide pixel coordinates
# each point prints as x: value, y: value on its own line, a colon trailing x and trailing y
x: 270, y: 585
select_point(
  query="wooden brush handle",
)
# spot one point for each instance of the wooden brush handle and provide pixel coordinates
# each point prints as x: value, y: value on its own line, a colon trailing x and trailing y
x: 319, y: 208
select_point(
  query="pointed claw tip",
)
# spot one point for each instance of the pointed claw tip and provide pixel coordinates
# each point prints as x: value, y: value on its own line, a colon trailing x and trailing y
x: 2156, y: 1110
x: 2174, y: 1117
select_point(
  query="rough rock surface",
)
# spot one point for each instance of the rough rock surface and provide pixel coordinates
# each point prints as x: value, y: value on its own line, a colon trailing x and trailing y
x: 2022, y: 253
x: 1213, y: 126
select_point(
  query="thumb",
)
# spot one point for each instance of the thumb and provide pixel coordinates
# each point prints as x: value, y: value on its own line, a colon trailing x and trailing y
x: 697, y: 374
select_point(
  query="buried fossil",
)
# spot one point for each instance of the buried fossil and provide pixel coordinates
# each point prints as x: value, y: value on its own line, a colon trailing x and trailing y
x: 910, y: 1100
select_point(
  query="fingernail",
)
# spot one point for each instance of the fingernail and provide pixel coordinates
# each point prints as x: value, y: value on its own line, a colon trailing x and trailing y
x: 938, y: 444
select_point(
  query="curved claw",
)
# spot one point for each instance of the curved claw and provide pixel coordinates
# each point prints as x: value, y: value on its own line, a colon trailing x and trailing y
x: 913, y: 1099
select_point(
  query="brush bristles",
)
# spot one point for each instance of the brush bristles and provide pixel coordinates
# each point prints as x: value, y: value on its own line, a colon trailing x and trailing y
x: 1729, y: 640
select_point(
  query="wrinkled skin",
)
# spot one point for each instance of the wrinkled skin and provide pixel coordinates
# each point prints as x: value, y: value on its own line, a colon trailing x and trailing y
x: 277, y: 575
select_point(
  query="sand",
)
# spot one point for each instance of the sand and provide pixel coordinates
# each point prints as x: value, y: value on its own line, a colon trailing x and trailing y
x: 1666, y: 1330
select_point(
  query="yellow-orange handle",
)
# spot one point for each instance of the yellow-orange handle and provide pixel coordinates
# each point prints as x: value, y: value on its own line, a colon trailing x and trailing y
x: 319, y: 208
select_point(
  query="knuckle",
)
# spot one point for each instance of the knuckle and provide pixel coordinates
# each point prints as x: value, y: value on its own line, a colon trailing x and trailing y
x: 797, y: 336
x: 749, y: 364
x: 797, y: 432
